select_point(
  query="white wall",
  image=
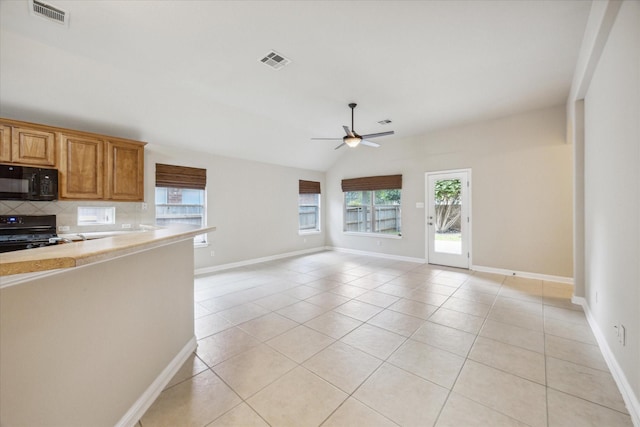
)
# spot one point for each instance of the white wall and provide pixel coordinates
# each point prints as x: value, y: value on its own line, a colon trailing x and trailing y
x: 522, y: 190
x: 612, y: 191
x: 253, y: 205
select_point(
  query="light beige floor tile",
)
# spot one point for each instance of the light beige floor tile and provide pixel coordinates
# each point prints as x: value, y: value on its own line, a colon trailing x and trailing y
x: 268, y: 326
x: 250, y: 371
x: 333, y: 324
x: 348, y: 291
x: 413, y: 308
x: 358, y: 310
x: 366, y: 282
x: 455, y: 319
x: 590, y: 384
x: 516, y: 397
x: 462, y: 412
x: 199, y: 310
x: 223, y: 345
x: 430, y: 363
x: 444, y: 337
x: 476, y: 296
x: 193, y: 366
x: 404, y: 398
x: 241, y: 415
x: 401, y: 324
x: 569, y: 330
x: 243, y: 313
x: 427, y: 297
x: 343, y: 277
x: 222, y: 302
x: 517, y: 318
x: 355, y: 414
x: 564, y: 314
x: 514, y: 360
x: 301, y: 311
x: 466, y: 306
x: 569, y: 411
x: 300, y: 343
x: 194, y: 402
x: 438, y: 288
x: 396, y: 290
x: 323, y: 284
x: 481, y: 286
x: 514, y: 335
x: 303, y: 291
x: 373, y: 340
x: 276, y: 301
x: 344, y: 366
x: 576, y: 352
x: 522, y: 306
x: 210, y: 324
x: 378, y: 298
x: 299, y: 398
x: 327, y: 300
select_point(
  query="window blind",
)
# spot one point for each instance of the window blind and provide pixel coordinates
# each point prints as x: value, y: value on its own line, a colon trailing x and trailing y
x: 180, y: 177
x: 308, y: 187
x: 372, y: 183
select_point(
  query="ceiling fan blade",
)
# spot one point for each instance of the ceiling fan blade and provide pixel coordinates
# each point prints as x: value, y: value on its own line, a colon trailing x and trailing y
x: 369, y: 143
x: 375, y: 135
x: 327, y: 139
x: 340, y: 145
x: 346, y: 129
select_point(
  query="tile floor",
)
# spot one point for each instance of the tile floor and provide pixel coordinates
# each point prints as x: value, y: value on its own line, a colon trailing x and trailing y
x: 333, y: 339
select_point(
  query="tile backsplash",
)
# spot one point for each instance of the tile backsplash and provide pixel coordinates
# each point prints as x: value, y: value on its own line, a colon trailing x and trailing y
x: 66, y: 212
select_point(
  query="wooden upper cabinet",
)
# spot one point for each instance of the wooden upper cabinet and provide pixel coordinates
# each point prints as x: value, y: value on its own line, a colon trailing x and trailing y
x: 5, y: 143
x: 81, y: 167
x: 33, y: 146
x: 125, y: 170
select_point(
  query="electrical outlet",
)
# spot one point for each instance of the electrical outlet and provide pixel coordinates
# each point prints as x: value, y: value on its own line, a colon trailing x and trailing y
x: 213, y: 253
x: 126, y: 225
x: 63, y: 228
x: 143, y: 206
x: 622, y: 335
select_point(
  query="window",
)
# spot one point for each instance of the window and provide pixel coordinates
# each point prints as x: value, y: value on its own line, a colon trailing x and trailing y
x: 308, y: 206
x: 372, y: 205
x: 96, y: 215
x: 180, y: 197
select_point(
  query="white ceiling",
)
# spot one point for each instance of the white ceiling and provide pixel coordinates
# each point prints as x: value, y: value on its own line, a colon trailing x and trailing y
x: 186, y: 73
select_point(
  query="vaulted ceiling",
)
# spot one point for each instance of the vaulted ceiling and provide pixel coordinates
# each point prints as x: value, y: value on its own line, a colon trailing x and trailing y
x: 187, y: 73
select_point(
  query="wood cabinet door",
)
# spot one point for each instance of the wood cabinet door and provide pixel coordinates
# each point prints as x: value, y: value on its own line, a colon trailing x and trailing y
x: 81, y: 167
x: 5, y: 143
x: 125, y: 171
x: 33, y: 147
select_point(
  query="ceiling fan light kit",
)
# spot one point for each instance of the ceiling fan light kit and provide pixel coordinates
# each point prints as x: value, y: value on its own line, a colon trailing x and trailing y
x: 352, y: 139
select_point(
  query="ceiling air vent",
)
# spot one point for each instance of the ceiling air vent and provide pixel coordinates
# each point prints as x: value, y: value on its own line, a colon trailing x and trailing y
x: 274, y: 60
x: 48, y: 12
x: 384, y: 122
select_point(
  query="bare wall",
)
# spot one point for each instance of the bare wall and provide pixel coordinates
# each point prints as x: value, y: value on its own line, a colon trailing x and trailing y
x: 521, y: 195
x: 253, y: 205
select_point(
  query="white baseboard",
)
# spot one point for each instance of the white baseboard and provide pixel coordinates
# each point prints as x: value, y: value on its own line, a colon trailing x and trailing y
x: 377, y: 254
x: 630, y: 399
x: 524, y: 274
x: 207, y: 270
x: 145, y: 401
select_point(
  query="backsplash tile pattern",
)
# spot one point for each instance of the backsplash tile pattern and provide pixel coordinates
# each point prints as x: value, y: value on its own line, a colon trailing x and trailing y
x: 67, y: 213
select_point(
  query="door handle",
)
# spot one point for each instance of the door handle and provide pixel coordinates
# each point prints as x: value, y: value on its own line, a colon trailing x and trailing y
x: 430, y: 223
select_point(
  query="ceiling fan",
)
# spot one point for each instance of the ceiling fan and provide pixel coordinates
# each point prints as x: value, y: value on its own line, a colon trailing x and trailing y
x: 352, y: 139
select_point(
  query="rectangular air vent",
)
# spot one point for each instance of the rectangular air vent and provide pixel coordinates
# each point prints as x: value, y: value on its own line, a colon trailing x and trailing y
x: 48, y: 12
x: 384, y: 122
x: 274, y: 60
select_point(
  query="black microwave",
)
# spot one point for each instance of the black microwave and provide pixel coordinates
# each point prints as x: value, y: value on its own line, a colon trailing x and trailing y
x: 28, y: 183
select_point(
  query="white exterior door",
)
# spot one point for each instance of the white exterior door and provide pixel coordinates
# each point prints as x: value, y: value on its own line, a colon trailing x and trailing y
x: 448, y: 220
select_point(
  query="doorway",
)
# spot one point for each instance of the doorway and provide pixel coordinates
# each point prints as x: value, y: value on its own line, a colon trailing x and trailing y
x: 448, y: 218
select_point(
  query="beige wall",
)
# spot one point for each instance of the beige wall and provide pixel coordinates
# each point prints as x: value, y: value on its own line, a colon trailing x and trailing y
x: 612, y: 191
x: 78, y: 348
x: 521, y: 197
x: 253, y: 205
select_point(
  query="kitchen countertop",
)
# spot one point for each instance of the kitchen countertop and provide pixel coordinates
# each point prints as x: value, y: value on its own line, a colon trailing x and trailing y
x: 78, y: 253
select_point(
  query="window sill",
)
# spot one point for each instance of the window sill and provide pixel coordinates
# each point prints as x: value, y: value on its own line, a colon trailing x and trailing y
x: 376, y: 235
x: 306, y: 233
x: 200, y: 245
